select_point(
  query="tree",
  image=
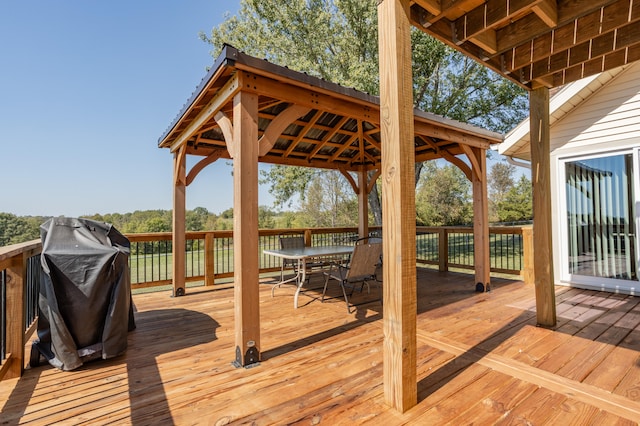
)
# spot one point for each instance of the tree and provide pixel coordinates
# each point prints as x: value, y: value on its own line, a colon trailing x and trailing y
x: 330, y: 202
x: 14, y: 230
x: 196, y: 219
x: 265, y: 218
x: 156, y: 224
x: 337, y: 40
x: 518, y: 202
x: 500, y: 182
x: 443, y: 196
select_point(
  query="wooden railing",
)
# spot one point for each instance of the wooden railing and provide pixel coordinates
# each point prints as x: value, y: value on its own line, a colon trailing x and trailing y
x: 20, y: 275
x: 510, y: 248
x: 210, y: 260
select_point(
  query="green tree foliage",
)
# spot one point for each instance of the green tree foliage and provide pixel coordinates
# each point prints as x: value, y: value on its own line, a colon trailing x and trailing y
x: 330, y: 202
x: 14, y: 229
x: 155, y: 224
x: 337, y: 40
x: 518, y: 202
x: 266, y: 218
x: 500, y: 181
x: 443, y: 196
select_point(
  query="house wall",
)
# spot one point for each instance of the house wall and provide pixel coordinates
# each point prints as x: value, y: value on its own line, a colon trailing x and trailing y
x: 608, y: 121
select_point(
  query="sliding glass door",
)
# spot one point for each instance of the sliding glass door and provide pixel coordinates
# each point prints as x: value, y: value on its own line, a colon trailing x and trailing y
x: 601, y: 218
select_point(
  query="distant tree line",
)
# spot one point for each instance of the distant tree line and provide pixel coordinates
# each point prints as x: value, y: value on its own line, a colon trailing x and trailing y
x: 17, y: 229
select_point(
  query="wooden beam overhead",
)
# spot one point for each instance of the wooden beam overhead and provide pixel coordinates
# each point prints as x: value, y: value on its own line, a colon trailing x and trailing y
x: 439, y: 132
x: 432, y: 6
x: 535, y: 42
x: 547, y: 11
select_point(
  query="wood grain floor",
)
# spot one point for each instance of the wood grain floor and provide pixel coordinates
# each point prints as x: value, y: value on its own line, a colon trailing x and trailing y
x: 481, y: 360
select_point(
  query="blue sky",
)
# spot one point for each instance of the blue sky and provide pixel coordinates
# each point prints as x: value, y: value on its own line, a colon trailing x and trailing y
x: 86, y: 89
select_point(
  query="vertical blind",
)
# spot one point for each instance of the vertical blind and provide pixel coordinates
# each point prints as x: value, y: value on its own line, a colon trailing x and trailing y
x: 601, y: 218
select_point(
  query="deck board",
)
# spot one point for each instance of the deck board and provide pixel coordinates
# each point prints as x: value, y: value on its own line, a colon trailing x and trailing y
x: 481, y: 359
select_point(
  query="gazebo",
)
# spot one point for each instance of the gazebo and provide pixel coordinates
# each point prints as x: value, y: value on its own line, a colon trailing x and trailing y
x: 250, y: 110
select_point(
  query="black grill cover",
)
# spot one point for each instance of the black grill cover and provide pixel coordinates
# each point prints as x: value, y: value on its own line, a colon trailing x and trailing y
x: 85, y: 295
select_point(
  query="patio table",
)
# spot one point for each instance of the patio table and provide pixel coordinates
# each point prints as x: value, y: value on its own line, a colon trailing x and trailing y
x: 302, y: 255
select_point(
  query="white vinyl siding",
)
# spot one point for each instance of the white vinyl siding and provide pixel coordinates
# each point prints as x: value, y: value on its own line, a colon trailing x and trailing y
x: 611, y: 114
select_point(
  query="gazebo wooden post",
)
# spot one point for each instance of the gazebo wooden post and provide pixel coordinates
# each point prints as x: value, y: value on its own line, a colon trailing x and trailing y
x: 542, y: 238
x: 398, y: 204
x: 481, y: 221
x: 179, y: 226
x: 245, y: 229
x: 363, y: 203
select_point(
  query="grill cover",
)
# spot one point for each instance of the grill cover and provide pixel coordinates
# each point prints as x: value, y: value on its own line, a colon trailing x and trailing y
x: 85, y: 301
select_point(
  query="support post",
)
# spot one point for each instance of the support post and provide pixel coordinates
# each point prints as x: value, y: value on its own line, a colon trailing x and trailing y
x: 481, y: 221
x: 398, y: 204
x: 16, y: 274
x: 209, y: 259
x: 363, y: 203
x: 542, y: 239
x: 527, y: 246
x: 443, y: 249
x: 178, y: 238
x: 245, y: 229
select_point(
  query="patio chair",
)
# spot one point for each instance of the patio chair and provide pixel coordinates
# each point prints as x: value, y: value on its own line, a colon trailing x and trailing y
x: 372, y: 239
x: 290, y: 241
x: 360, y: 269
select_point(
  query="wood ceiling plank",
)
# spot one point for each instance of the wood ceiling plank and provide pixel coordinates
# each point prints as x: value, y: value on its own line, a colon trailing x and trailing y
x: 343, y: 148
x: 373, y: 142
x: 612, y: 60
x: 588, y: 51
x: 487, y: 16
x: 303, y: 132
x: 531, y: 26
x: 331, y: 133
x: 520, y: 32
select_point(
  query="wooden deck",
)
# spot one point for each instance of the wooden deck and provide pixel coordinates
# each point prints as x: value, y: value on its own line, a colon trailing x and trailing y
x: 481, y: 360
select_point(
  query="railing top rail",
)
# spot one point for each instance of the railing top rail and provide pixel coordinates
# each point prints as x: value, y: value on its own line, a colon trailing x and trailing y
x: 502, y: 229
x: 162, y: 236
x: 8, y: 252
